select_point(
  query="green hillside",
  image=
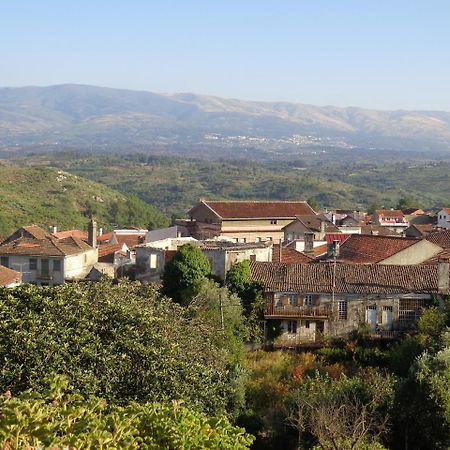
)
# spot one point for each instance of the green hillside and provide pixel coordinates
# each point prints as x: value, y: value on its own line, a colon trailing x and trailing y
x: 48, y: 196
x: 175, y: 184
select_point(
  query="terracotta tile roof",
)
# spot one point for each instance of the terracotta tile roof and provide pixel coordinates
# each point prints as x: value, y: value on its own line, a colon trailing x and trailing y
x: 441, y: 256
x: 360, y: 248
x: 411, y: 211
x: 258, y: 209
x: 106, y: 252
x: 423, y: 229
x: 36, y: 231
x: 441, y: 238
x: 289, y: 255
x: 9, y: 276
x: 347, y: 278
x: 447, y: 210
x: 341, y: 237
x: 71, y: 233
x: 44, y: 247
x: 131, y: 240
x: 390, y: 212
x: 320, y: 250
x: 104, y: 237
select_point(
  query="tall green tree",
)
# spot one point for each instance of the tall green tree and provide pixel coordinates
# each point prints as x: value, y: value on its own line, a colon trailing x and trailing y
x: 119, y: 342
x: 184, y: 274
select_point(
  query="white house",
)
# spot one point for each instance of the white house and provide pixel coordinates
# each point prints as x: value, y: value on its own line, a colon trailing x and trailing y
x: 49, y: 261
x: 444, y: 218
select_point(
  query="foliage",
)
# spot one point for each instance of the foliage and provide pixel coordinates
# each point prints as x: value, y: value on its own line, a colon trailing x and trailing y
x: 343, y: 413
x: 59, y: 420
x: 184, y: 273
x: 119, y: 342
x: 52, y: 197
x: 239, y: 281
x: 434, y: 372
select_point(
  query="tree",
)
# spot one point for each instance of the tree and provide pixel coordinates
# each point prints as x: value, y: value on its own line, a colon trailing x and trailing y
x: 119, y: 342
x: 406, y: 202
x: 184, y: 273
x: 239, y: 281
x: 60, y: 420
x: 347, y: 413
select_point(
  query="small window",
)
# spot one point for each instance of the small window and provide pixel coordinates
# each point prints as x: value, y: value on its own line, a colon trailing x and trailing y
x: 273, y: 222
x: 4, y: 261
x: 252, y: 257
x: 292, y: 299
x: 342, y: 310
x: 258, y: 239
x: 56, y: 265
x: 153, y: 261
x: 306, y: 323
x: 292, y: 326
x: 33, y: 264
x: 269, y: 238
x: 308, y: 300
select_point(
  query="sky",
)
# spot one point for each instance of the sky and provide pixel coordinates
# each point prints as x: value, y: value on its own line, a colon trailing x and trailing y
x: 381, y: 54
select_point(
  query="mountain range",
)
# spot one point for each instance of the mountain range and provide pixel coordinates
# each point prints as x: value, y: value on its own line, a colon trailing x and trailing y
x: 68, y: 116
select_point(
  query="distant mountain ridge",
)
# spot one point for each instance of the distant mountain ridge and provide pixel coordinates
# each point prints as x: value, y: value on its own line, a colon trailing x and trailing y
x: 82, y: 115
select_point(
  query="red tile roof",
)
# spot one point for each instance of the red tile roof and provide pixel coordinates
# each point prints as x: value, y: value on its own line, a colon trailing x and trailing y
x: 447, y: 210
x: 71, y: 233
x: 44, y: 247
x: 289, y: 255
x: 345, y: 278
x: 258, y: 209
x: 104, y: 237
x: 361, y: 248
x: 441, y: 238
x: 131, y: 240
x: 341, y: 237
x: 390, y: 212
x: 9, y: 276
x: 441, y: 256
x: 106, y: 252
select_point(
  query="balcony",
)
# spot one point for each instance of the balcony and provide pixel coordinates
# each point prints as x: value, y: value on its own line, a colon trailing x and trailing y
x: 44, y: 276
x: 303, y: 312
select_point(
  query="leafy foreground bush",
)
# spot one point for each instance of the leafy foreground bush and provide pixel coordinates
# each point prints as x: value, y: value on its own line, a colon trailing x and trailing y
x: 60, y: 421
x: 118, y: 342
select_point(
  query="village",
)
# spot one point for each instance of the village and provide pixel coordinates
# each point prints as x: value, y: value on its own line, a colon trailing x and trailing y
x: 323, y: 274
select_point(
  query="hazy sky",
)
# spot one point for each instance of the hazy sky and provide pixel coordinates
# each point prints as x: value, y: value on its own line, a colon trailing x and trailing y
x: 386, y: 54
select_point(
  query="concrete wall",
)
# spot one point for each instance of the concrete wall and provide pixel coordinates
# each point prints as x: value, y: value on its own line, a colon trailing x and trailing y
x: 150, y: 263
x: 414, y: 254
x: 78, y: 266
x: 21, y: 263
x: 443, y: 219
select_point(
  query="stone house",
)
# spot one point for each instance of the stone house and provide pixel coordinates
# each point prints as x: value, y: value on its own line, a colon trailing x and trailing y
x: 393, y: 219
x: 313, y: 301
x: 152, y: 258
x: 243, y: 221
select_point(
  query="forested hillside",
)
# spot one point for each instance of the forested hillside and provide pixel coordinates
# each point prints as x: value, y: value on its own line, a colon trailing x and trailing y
x: 48, y: 196
x: 349, y: 181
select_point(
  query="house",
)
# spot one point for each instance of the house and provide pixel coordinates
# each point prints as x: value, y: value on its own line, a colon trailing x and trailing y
x: 368, y: 249
x: 443, y: 218
x: 391, y: 218
x: 317, y: 224
x: 243, y: 221
x: 48, y: 261
x: 441, y: 238
x: 9, y: 278
x: 129, y: 236
x: 419, y: 230
x: 152, y: 258
x: 313, y: 301
x: 30, y: 231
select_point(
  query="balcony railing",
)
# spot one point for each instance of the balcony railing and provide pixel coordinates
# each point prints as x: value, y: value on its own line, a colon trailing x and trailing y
x: 323, y: 311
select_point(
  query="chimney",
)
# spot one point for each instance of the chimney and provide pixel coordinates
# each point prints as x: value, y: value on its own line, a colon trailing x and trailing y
x: 92, y: 233
x: 443, y: 276
x: 53, y: 229
x: 309, y: 242
x: 100, y: 231
x: 333, y: 218
x: 323, y: 226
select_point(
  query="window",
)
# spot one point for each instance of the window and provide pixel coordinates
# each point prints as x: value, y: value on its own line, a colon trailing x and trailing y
x: 153, y: 261
x: 242, y: 240
x: 273, y: 222
x: 292, y: 326
x: 308, y: 300
x: 56, y: 265
x: 269, y: 238
x: 252, y: 257
x: 4, y: 261
x: 258, y: 239
x: 306, y: 323
x: 342, y: 310
x: 292, y: 299
x: 33, y: 264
